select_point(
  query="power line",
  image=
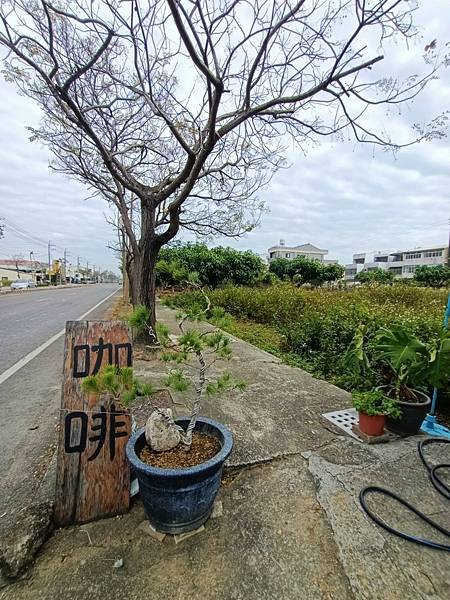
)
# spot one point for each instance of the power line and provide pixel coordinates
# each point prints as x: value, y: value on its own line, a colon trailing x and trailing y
x: 24, y: 234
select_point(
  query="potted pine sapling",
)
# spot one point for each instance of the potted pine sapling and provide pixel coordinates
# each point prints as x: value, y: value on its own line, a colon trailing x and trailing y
x: 415, y: 368
x: 179, y: 462
x: 373, y: 407
x: 116, y: 385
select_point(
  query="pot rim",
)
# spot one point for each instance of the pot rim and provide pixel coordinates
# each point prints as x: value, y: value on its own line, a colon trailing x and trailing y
x: 361, y: 412
x: 220, y: 457
x: 427, y: 399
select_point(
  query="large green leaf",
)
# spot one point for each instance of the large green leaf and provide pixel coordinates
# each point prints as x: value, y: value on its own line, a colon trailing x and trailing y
x: 400, y: 347
x: 435, y: 371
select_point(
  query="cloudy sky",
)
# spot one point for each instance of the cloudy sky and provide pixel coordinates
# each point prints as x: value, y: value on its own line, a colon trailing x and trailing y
x: 340, y: 196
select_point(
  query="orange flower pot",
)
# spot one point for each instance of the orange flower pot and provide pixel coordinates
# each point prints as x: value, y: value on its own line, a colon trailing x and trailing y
x: 372, y: 425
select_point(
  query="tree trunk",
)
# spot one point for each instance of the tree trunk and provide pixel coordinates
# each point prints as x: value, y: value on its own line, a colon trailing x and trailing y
x: 132, y: 277
x: 147, y: 279
x: 144, y: 274
x: 145, y: 263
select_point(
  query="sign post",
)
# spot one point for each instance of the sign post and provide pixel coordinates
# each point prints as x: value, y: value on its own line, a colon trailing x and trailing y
x: 93, y: 475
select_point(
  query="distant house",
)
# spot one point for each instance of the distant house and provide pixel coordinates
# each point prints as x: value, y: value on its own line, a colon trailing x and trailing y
x: 401, y: 263
x: 291, y: 252
x: 12, y: 269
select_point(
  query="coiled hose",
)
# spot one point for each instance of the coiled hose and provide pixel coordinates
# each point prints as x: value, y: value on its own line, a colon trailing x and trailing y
x: 435, y: 473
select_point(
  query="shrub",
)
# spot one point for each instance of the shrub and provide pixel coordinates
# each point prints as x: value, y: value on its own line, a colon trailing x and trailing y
x: 377, y: 276
x: 268, y: 278
x: 316, y: 328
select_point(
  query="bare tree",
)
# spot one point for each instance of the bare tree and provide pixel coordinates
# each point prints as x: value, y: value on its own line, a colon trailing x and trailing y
x: 186, y: 105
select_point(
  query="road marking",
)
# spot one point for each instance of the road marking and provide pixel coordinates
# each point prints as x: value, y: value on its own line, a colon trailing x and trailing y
x: 26, y: 359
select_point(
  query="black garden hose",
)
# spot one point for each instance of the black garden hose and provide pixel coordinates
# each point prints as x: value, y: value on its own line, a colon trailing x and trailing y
x: 443, y: 489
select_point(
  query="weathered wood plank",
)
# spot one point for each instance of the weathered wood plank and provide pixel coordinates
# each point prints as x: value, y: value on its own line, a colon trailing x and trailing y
x: 93, y: 476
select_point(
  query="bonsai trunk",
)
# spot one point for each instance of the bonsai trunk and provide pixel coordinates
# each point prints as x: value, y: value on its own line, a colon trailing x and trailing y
x: 195, y: 409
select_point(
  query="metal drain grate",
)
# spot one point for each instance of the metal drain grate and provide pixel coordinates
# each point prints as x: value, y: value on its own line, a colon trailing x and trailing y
x: 344, y: 419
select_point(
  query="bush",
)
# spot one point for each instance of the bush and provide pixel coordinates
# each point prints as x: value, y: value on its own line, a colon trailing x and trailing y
x: 377, y: 276
x: 316, y: 328
x: 214, y: 266
x: 268, y: 278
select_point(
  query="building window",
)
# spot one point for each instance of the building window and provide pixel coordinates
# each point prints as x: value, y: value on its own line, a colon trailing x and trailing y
x: 432, y: 253
x: 272, y: 255
x: 288, y: 255
x: 411, y: 255
x: 350, y: 272
x: 359, y: 261
x: 409, y: 269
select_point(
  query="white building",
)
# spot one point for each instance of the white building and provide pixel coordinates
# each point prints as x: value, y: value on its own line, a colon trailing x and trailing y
x: 291, y: 252
x: 19, y: 268
x: 402, y: 263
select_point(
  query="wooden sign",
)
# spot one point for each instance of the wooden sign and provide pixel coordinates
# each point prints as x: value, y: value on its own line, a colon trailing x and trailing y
x: 93, y: 475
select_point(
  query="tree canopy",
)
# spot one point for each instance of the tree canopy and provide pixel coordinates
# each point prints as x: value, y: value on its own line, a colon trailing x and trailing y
x: 432, y: 276
x: 305, y: 270
x: 213, y: 266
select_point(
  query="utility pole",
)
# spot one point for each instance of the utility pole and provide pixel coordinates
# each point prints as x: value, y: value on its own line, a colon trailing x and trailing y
x: 448, y: 249
x: 93, y: 273
x: 50, y: 247
x: 31, y: 265
x: 87, y: 270
x: 66, y: 252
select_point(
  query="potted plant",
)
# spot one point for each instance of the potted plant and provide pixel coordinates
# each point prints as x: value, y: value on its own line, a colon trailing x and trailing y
x: 414, y: 368
x: 373, y: 407
x: 117, y: 385
x: 179, y: 462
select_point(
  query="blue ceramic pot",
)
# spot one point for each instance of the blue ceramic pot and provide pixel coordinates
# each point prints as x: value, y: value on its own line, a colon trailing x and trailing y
x: 179, y: 500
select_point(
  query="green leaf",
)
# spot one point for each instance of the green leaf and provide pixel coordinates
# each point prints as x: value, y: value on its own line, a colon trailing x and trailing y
x: 399, y: 347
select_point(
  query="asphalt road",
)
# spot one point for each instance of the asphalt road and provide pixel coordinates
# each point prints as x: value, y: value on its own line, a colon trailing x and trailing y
x: 30, y: 397
x: 28, y: 319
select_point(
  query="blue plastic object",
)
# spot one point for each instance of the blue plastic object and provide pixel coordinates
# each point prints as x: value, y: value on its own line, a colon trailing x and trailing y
x: 430, y: 424
x: 179, y: 500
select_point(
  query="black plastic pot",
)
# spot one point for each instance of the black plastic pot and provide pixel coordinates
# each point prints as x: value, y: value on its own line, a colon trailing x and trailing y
x: 413, y: 414
x: 179, y: 500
